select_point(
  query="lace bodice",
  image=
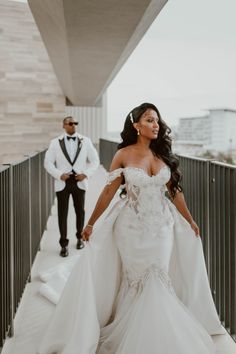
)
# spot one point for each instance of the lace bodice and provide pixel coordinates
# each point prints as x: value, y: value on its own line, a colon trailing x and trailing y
x: 145, y: 194
x: 145, y: 219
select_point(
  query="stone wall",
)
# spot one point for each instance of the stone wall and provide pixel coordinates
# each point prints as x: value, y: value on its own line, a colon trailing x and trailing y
x: 32, y: 105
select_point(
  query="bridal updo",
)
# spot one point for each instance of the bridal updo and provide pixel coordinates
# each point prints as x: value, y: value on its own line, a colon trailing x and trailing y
x: 161, y: 147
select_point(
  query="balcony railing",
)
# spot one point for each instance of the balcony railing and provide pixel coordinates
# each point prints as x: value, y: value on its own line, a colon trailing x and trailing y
x: 26, y: 197
x: 210, y: 193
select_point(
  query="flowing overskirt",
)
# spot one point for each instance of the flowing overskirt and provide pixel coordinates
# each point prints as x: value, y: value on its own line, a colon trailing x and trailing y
x: 155, y: 320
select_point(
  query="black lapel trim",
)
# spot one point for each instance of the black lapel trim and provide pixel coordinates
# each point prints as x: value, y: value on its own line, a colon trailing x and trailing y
x: 63, y: 147
x: 78, y: 150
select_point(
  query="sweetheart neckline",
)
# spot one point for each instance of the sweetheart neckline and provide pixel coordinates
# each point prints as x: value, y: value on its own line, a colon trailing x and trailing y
x: 139, y: 168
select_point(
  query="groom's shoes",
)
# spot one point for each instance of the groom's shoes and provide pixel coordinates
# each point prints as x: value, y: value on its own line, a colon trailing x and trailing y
x: 80, y: 244
x: 64, y: 252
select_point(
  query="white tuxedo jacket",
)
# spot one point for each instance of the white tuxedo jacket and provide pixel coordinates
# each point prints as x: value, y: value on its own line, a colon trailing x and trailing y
x: 57, y: 160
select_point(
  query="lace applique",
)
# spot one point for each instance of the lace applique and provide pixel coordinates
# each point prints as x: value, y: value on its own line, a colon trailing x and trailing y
x: 113, y: 175
x: 140, y: 281
x: 141, y: 200
x: 133, y: 194
x: 146, y: 195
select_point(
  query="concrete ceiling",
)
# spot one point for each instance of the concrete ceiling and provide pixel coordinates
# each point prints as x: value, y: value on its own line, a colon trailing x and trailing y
x: 88, y: 41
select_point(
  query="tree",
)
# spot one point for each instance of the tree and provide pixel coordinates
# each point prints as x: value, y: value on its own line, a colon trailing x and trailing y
x: 220, y: 156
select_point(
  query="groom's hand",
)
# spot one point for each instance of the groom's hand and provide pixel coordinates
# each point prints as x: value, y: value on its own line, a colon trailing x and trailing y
x: 80, y: 177
x: 65, y: 176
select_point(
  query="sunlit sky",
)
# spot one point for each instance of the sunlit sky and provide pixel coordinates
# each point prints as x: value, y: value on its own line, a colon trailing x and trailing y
x: 185, y: 63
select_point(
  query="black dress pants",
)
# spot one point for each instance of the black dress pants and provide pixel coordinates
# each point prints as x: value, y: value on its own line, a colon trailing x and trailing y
x: 63, y: 196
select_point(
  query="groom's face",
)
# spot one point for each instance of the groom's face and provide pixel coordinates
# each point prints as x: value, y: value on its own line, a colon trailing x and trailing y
x: 70, y: 125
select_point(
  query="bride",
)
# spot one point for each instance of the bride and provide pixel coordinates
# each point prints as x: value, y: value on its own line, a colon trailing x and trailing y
x: 140, y: 285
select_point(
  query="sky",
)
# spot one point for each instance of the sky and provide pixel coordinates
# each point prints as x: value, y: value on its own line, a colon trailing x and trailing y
x: 185, y: 63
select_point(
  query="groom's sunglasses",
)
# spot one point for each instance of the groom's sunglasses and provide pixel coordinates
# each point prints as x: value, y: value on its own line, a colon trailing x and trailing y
x: 72, y: 123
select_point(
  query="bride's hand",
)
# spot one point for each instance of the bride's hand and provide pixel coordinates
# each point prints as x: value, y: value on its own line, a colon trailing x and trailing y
x: 86, y: 233
x: 195, y: 228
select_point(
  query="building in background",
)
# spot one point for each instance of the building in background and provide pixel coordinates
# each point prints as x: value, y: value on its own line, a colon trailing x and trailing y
x: 214, y: 132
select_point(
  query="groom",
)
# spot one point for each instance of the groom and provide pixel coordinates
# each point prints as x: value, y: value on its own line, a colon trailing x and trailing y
x: 71, y: 159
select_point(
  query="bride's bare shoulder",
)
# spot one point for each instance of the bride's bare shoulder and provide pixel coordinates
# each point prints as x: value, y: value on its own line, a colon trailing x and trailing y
x: 128, y: 149
x: 123, y: 151
x: 120, y: 157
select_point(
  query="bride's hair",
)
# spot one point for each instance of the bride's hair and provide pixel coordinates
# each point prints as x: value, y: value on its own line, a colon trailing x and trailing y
x: 161, y: 147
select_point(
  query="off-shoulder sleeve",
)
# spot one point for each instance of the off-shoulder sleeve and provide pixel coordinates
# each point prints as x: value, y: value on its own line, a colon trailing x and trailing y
x: 113, y: 175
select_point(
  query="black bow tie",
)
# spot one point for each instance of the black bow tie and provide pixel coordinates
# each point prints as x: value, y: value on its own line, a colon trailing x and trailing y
x: 71, y: 137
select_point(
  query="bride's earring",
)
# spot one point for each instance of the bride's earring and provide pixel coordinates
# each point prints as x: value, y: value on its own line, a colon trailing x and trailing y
x: 138, y: 133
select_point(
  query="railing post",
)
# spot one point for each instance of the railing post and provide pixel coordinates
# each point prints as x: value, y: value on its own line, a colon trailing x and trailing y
x: 40, y: 196
x: 12, y: 253
x: 212, y: 238
x: 208, y: 182
x: 30, y: 218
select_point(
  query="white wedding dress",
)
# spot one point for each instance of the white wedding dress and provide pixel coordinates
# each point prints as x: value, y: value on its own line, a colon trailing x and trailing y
x: 140, y: 285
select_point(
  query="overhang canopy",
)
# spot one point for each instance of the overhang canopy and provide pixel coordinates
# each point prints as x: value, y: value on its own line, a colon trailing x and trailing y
x: 88, y: 41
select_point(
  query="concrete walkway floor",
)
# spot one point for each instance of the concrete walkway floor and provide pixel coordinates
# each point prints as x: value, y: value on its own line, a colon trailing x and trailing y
x: 34, y: 311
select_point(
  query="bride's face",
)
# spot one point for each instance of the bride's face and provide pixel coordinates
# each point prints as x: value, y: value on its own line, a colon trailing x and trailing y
x: 148, y: 124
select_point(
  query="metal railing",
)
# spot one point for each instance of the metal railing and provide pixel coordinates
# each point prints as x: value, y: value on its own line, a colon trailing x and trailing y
x: 210, y: 193
x: 5, y: 252
x: 26, y: 197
